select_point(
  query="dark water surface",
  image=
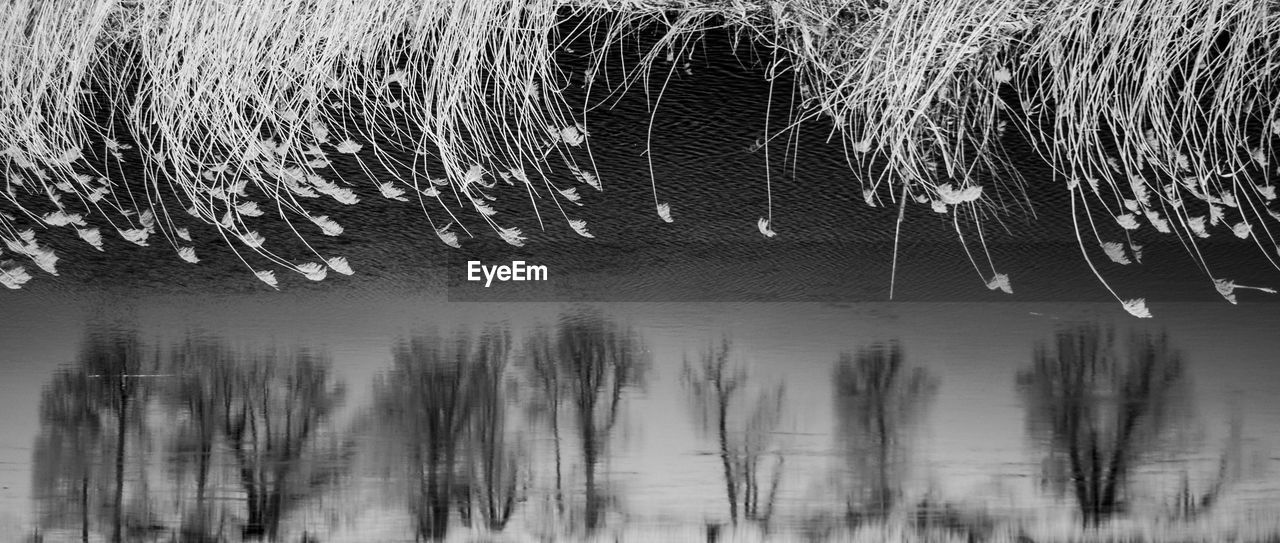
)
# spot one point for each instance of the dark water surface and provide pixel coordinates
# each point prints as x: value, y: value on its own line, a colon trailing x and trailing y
x: 357, y: 400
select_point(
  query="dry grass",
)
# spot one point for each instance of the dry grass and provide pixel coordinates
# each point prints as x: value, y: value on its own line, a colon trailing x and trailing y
x: 1157, y: 115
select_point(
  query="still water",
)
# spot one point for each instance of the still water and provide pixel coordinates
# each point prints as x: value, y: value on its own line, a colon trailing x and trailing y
x: 666, y: 377
x: 969, y: 421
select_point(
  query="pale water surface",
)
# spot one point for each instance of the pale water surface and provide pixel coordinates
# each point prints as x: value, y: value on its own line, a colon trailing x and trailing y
x: 943, y: 422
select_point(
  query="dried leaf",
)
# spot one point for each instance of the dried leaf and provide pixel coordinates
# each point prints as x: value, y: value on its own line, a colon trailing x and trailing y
x: 512, y: 236
x: 585, y: 177
x: 268, y: 277
x: 1137, y: 307
x: 319, y: 132
x: 91, y: 235
x: 45, y: 258
x: 664, y: 211
x: 313, y: 271
x: 348, y: 147
x: 344, y: 195
x: 483, y: 208
x: 148, y: 219
x: 391, y: 191
x: 135, y: 235
x: 1128, y: 221
x: 13, y: 277
x: 571, y: 194
x: 1196, y: 224
x: 580, y: 227
x: 763, y: 226
x: 1115, y: 252
x: 252, y: 239
x: 1215, y: 215
x: 248, y: 209
x: 1226, y: 288
x: 449, y: 238
x: 1140, y: 192
x: 1161, y: 225
x: 474, y: 176
x: 1258, y: 156
x: 1000, y: 281
x: 61, y: 218
x: 327, y: 225
x: 951, y: 196
x: 340, y: 265
x: 237, y: 188
x: 571, y: 136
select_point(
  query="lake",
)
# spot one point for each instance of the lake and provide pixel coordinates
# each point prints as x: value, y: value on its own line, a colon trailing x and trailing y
x: 666, y: 378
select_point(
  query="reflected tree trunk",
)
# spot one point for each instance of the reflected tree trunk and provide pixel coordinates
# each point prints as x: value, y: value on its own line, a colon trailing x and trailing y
x: 113, y: 358
x: 877, y: 402
x: 589, y: 458
x: 122, y: 422
x: 1099, y: 410
x: 597, y: 359
x: 726, y: 461
x: 555, y: 437
x: 80, y: 409
x: 84, y: 508
x: 272, y: 414
x: 494, y: 449
x: 202, y: 366
x: 71, y: 431
x: 440, y: 395
x: 757, y: 439
x: 540, y: 358
x: 743, y: 432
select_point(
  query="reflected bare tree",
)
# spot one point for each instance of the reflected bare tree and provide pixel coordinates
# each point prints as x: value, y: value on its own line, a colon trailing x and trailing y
x: 1098, y: 411
x: 113, y: 359
x: 878, y: 400
x: 494, y: 447
x: 66, y: 474
x: 275, y: 412
x: 269, y: 413
x: 428, y: 397
x: 431, y: 406
x: 596, y: 359
x: 203, y: 369
x: 743, y: 431
x: 539, y: 361
x: 88, y: 414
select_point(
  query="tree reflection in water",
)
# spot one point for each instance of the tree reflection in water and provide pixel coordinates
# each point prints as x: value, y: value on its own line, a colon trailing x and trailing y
x: 1099, y: 410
